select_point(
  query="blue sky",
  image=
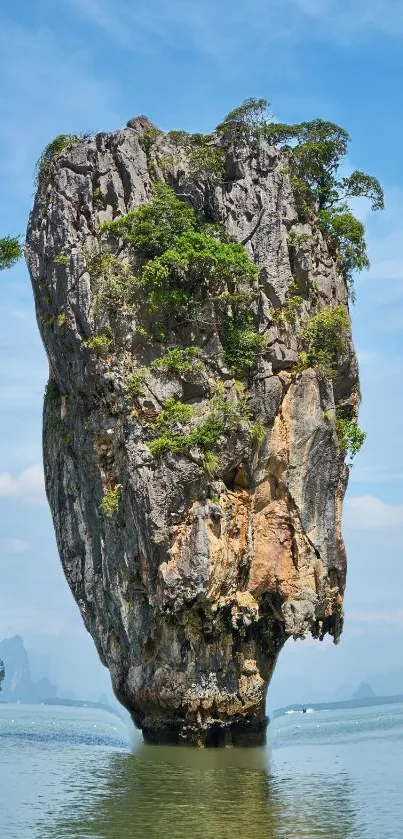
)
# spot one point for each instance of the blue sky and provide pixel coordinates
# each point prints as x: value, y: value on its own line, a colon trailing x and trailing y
x: 90, y: 65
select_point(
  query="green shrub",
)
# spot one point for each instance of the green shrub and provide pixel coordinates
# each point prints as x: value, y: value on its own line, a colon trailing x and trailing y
x: 166, y: 443
x: 99, y: 344
x: 135, y: 382
x: 61, y: 259
x: 52, y: 392
x: 295, y: 240
x: 167, y: 162
x: 288, y: 312
x: 278, y: 133
x: 194, y: 268
x: 110, y: 502
x: 219, y: 388
x: 211, y: 462
x: 169, y: 426
x: 173, y: 413
x: 258, y: 432
x: 350, y: 436
x: 148, y: 139
x: 153, y: 228
x: 142, y: 333
x: 99, y: 263
x: 324, y: 340
x: 246, y: 121
x: 223, y: 418
x: 116, y: 291
x: 242, y: 343
x: 207, y: 161
x: 178, y: 138
x: 346, y: 239
x: 10, y: 251
x: 179, y: 361
x: 98, y: 199
x: 115, y: 285
x: 48, y: 155
x: 199, y: 139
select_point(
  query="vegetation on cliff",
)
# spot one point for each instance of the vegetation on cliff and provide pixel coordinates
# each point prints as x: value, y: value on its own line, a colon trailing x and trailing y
x: 315, y: 152
x: 186, y: 270
x: 191, y: 264
x: 10, y: 251
x: 50, y: 152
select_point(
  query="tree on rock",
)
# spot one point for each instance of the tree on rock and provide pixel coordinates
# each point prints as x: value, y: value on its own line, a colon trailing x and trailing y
x: 10, y: 251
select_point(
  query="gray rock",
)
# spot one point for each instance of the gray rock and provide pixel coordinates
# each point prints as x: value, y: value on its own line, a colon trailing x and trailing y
x: 193, y: 583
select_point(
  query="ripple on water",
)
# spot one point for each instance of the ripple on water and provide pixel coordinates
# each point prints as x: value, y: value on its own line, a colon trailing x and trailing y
x: 70, y: 780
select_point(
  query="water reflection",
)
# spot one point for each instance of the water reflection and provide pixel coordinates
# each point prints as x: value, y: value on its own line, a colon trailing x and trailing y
x: 187, y: 794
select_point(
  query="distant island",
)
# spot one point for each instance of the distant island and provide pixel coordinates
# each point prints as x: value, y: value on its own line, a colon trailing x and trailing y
x: 18, y: 684
x: 116, y: 709
x: 334, y: 706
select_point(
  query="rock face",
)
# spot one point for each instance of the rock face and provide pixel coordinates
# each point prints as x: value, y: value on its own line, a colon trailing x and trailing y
x: 192, y: 584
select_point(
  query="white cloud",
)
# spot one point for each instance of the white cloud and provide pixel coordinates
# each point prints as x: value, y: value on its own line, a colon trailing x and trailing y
x: 217, y: 28
x: 352, y: 17
x: 209, y: 27
x: 376, y: 617
x: 366, y: 512
x: 27, y: 486
x: 314, y: 8
x: 375, y: 474
x: 16, y: 546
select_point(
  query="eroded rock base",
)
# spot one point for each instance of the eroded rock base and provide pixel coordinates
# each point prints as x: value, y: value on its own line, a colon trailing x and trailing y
x: 245, y: 732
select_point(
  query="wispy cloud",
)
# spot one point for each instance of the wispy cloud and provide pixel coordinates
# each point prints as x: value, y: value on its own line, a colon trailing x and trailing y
x: 27, y: 486
x: 207, y: 26
x: 314, y: 8
x: 393, y: 618
x: 354, y: 16
x: 366, y: 512
x: 217, y: 28
x: 375, y: 474
x: 15, y: 546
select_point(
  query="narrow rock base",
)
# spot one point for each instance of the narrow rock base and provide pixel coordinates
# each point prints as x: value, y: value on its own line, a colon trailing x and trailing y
x: 211, y: 734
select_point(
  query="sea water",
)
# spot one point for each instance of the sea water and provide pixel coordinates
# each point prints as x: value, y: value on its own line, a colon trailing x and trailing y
x: 81, y: 773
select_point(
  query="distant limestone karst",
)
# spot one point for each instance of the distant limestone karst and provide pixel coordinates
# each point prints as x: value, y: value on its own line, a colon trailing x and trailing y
x: 18, y: 684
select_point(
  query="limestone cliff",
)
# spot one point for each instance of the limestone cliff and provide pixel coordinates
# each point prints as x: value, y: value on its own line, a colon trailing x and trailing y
x: 190, y: 572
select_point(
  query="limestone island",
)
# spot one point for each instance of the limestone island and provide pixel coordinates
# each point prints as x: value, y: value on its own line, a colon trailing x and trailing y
x: 192, y: 293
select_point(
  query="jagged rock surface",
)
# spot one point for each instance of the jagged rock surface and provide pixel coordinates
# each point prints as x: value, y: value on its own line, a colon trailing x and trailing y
x: 192, y: 588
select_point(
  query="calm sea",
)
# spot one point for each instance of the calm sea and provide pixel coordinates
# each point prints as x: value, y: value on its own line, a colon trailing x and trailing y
x: 78, y: 772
